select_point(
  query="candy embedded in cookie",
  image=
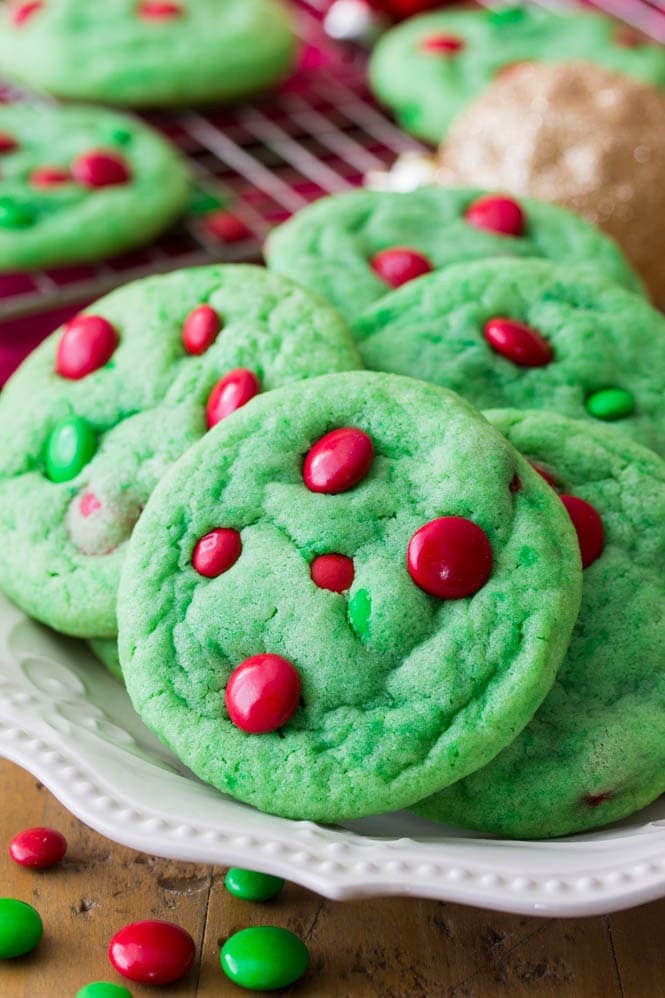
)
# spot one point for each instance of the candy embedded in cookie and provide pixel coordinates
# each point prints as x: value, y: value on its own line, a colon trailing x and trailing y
x: 377, y: 611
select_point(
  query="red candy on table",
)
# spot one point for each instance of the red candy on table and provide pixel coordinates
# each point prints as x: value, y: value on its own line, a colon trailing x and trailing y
x: 49, y: 176
x: 338, y: 461
x: 231, y: 392
x: 332, y: 571
x: 398, y: 265
x: 496, y: 214
x: 589, y: 526
x: 38, y: 848
x: 442, y: 44
x: 518, y: 342
x: 152, y: 952
x: 7, y: 143
x: 262, y: 693
x: 159, y: 10
x: 200, y: 329
x: 99, y: 168
x: 23, y: 11
x: 217, y: 552
x: 450, y: 557
x: 86, y: 344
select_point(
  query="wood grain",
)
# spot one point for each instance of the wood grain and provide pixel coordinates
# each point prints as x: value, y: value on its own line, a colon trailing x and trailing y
x: 383, y: 948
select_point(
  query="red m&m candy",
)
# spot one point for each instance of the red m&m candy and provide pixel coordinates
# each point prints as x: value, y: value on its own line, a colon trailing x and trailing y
x: 49, y: 176
x: 22, y: 11
x: 262, y: 693
x: 518, y: 342
x: 496, y: 214
x: 159, y: 10
x: 338, y: 461
x: 589, y: 526
x: 38, y: 848
x: 442, y: 44
x: 7, y: 143
x: 99, y: 168
x: 399, y: 265
x: 450, y: 557
x: 87, y: 343
x: 201, y: 328
x: 152, y: 952
x: 217, y: 552
x: 226, y: 227
x: 332, y: 571
x: 231, y: 392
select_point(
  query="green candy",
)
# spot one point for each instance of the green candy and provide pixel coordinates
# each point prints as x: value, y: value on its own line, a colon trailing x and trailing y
x: 264, y: 958
x: 506, y: 15
x: 71, y: 444
x: 103, y: 989
x: 360, y: 610
x: 251, y: 885
x: 20, y: 928
x: 610, y: 404
x: 14, y: 216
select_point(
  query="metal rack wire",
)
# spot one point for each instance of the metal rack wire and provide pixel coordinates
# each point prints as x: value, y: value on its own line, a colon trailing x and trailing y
x: 261, y: 162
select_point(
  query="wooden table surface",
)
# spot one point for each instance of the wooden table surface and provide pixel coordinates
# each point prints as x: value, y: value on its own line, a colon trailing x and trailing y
x: 388, y: 948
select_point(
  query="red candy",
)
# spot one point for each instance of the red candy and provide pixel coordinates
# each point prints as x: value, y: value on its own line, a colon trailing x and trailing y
x: 200, y: 330
x: 518, y: 342
x: 216, y: 552
x: 332, y: 571
x: 262, y: 693
x: 231, y: 392
x: 442, y: 44
x: 338, y: 461
x: 399, y: 265
x: 496, y: 214
x: 49, y: 176
x: 87, y: 343
x: 152, y: 952
x: 226, y: 227
x: 159, y: 10
x: 38, y: 848
x: 7, y: 143
x: 88, y: 504
x: 404, y: 8
x: 450, y: 557
x: 99, y: 168
x: 589, y: 526
x: 23, y: 11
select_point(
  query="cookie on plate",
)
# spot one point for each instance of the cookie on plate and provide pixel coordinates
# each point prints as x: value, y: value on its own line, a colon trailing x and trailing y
x: 528, y: 334
x: 338, y: 597
x: 95, y: 416
x: 427, y: 69
x: 145, y: 53
x: 579, y: 136
x: 354, y: 248
x: 595, y: 751
x: 79, y: 183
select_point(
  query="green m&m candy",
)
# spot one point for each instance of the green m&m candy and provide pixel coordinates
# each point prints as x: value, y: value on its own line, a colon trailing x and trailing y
x: 71, y: 444
x: 103, y: 989
x: 252, y: 886
x: 610, y: 404
x: 20, y: 928
x: 264, y: 958
x: 360, y: 610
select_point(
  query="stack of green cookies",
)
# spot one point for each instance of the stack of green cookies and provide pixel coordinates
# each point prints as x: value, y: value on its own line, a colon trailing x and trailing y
x: 335, y: 592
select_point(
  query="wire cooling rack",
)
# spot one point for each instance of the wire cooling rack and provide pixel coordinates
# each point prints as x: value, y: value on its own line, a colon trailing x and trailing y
x: 255, y: 164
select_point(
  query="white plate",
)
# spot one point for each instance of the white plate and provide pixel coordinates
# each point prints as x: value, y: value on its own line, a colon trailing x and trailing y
x: 66, y: 720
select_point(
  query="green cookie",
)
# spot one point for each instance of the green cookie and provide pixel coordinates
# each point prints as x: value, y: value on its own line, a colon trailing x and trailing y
x: 400, y: 690
x: 106, y: 650
x: 80, y: 183
x: 329, y: 247
x: 428, y: 68
x: 481, y: 329
x: 80, y: 454
x: 595, y: 751
x: 147, y: 52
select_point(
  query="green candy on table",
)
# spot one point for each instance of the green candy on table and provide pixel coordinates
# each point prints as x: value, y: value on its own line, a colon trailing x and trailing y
x: 20, y: 928
x: 249, y: 885
x: 264, y: 958
x: 103, y: 989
